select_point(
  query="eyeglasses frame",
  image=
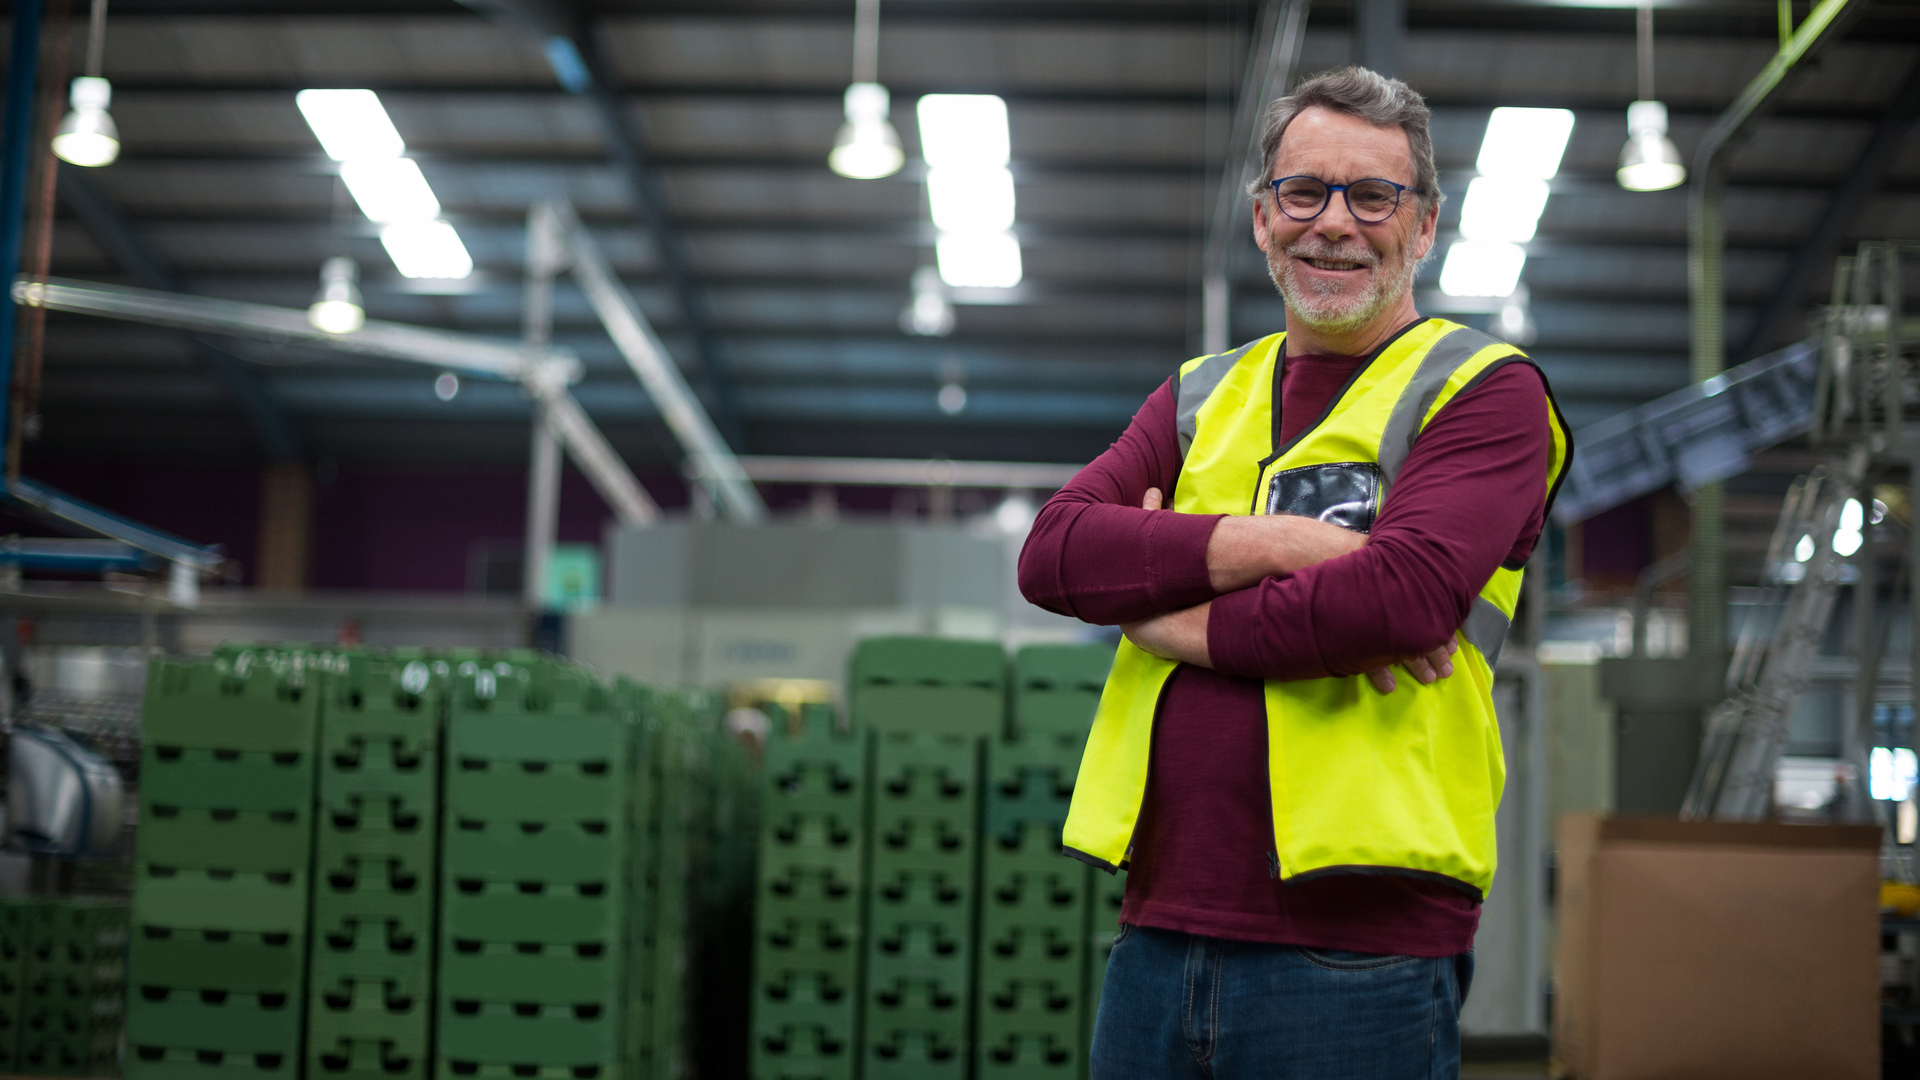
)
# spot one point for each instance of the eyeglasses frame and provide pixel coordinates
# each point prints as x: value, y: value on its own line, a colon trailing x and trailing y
x: 1399, y: 191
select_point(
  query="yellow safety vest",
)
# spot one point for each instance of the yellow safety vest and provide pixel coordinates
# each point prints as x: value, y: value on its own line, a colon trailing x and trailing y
x: 1361, y: 782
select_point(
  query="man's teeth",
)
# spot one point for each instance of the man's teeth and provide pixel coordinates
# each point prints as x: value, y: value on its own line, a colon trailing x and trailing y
x: 1332, y: 264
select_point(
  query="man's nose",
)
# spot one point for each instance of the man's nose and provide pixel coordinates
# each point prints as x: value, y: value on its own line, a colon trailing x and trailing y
x: 1336, y: 221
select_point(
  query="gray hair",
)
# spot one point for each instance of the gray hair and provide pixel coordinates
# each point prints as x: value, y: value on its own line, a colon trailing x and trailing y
x: 1369, y: 95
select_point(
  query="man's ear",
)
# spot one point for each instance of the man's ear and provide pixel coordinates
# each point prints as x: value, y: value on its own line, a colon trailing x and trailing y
x: 1260, y: 223
x: 1429, y: 228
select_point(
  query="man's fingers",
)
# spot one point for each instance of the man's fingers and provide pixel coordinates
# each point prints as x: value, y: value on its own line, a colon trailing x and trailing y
x: 1152, y: 501
x: 1382, y: 679
x: 1419, y: 668
x: 1441, y: 660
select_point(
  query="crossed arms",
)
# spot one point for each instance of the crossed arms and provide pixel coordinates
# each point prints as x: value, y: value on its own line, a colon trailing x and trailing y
x: 1241, y: 553
x: 1280, y: 598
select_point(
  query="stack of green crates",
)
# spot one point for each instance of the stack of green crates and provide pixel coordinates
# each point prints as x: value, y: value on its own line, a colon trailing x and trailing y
x: 722, y: 998
x: 370, y: 993
x: 75, y: 987
x: 807, y: 944
x: 1033, y: 913
x: 931, y: 704
x: 15, y: 915
x: 533, y: 875
x: 636, y: 705
x: 1056, y: 690
x: 217, y: 958
x: 678, y: 733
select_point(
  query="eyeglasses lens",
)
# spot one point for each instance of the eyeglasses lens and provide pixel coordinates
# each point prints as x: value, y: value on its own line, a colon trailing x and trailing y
x: 1372, y: 200
x: 1301, y: 197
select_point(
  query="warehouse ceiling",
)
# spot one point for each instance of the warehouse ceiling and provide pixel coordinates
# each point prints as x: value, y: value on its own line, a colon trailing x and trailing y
x: 1119, y: 114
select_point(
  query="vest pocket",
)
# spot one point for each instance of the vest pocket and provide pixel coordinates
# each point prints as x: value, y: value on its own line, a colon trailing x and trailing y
x: 1346, y: 494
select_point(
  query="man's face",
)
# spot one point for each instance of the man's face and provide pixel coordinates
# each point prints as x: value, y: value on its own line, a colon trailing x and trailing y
x: 1335, y: 272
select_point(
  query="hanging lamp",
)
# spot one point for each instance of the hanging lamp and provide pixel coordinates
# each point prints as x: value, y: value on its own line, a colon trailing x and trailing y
x: 867, y: 147
x: 337, y: 308
x: 87, y: 135
x: 1649, y: 161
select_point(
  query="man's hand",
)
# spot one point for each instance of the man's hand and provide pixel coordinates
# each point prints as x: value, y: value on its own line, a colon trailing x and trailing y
x: 1242, y: 551
x: 1429, y: 668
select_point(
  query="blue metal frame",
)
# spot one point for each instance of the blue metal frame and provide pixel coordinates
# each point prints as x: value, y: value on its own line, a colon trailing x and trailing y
x: 73, y: 556
x: 109, y: 524
x: 16, y: 146
x: 16, y: 138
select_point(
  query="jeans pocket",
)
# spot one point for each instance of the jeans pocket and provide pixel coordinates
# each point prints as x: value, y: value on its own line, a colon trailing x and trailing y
x: 1125, y: 930
x: 1343, y: 960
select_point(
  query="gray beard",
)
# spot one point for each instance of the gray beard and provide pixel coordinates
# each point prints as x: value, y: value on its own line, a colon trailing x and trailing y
x: 1324, y: 310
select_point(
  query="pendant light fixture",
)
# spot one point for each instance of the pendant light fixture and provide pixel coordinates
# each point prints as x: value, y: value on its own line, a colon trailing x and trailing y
x: 337, y: 308
x: 867, y: 147
x: 1649, y: 161
x: 87, y: 136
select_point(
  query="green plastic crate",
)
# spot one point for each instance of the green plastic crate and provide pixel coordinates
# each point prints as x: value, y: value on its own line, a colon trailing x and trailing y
x: 930, y: 685
x: 1056, y: 688
x: 208, y: 779
x: 189, y: 960
x: 241, y: 902
x: 214, y: 1020
x: 249, y: 840
x: 240, y: 704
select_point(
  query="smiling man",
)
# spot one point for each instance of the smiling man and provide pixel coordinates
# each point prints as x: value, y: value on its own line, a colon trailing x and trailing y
x: 1285, y: 533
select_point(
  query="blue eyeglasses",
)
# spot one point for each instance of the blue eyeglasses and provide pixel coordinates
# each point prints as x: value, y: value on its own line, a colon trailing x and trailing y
x: 1371, y: 201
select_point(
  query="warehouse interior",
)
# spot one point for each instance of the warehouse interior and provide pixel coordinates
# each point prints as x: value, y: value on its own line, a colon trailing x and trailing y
x: 624, y: 419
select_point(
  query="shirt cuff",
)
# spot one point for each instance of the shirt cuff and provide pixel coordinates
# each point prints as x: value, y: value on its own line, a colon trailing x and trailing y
x: 1177, y: 559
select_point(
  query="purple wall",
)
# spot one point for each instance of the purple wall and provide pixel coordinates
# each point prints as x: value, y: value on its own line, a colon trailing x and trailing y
x: 419, y: 528
x: 208, y: 504
x: 372, y: 528
x: 397, y: 528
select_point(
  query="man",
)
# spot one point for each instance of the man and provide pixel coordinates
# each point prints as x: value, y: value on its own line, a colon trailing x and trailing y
x: 1309, y: 847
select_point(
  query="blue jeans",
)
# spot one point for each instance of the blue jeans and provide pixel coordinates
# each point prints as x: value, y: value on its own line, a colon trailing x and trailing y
x: 1181, y: 1007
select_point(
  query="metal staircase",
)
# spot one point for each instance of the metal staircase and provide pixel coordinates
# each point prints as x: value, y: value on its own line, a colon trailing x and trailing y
x: 1863, y: 387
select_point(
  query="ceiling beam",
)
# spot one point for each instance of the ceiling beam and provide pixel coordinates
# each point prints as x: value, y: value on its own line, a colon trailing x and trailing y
x: 1025, y: 169
x: 1843, y: 208
x: 577, y: 48
x: 115, y: 234
x: 1678, y: 18
x: 1549, y: 240
x: 502, y: 286
x: 828, y: 96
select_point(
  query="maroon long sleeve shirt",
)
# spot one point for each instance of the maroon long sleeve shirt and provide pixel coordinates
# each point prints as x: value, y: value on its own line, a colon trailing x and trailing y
x: 1469, y: 498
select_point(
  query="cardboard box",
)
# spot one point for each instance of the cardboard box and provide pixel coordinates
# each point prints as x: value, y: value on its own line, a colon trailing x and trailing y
x: 1707, y: 950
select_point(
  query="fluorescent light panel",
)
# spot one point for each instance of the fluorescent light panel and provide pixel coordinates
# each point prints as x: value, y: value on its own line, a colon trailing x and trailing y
x: 963, y: 130
x: 426, y: 249
x: 964, y: 139
x: 979, y: 260
x: 390, y: 190
x: 971, y: 200
x: 351, y: 125
x: 1482, y: 268
x: 1501, y: 208
x: 1525, y: 143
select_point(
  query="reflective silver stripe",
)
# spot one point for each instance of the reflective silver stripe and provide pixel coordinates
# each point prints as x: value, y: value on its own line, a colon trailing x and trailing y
x: 1197, y: 386
x: 1443, y: 358
x: 1486, y: 628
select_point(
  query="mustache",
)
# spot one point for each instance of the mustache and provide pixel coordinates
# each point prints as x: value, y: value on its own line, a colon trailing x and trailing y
x: 1305, y: 248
